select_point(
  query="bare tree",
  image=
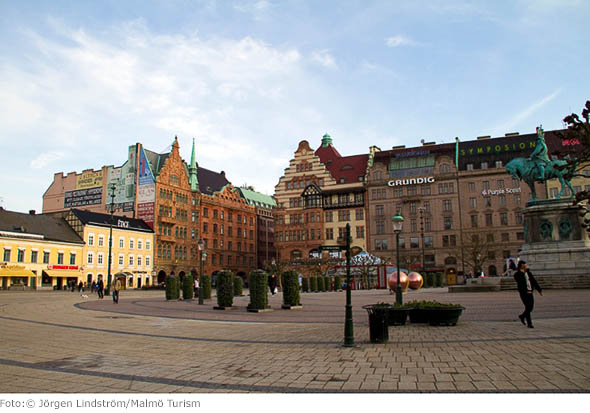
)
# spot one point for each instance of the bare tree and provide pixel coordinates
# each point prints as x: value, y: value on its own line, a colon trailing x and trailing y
x: 476, y: 251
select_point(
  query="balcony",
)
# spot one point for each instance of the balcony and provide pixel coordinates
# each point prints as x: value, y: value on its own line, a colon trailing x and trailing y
x: 167, y: 219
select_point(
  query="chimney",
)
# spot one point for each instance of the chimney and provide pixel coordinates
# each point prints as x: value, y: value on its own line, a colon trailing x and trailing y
x: 31, y: 212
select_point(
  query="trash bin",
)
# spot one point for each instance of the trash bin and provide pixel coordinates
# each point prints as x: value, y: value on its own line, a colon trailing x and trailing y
x: 378, y: 323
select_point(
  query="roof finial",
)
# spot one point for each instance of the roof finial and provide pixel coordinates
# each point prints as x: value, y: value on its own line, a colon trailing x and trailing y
x: 326, y: 140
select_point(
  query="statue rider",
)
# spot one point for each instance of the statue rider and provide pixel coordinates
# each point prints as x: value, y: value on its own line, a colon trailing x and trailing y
x: 539, y: 155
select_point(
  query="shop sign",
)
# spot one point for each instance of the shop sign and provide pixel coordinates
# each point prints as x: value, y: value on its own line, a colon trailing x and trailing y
x: 495, y: 148
x: 122, y: 224
x: 62, y: 267
x: 411, y: 181
x: 488, y: 192
x: 412, y: 154
x: 89, y: 179
x: 83, y: 197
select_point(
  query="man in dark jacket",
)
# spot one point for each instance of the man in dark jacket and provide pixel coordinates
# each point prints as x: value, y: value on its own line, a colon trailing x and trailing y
x: 525, y: 282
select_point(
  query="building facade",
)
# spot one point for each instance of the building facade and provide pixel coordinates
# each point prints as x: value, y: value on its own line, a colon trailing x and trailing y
x: 38, y: 252
x: 132, y: 249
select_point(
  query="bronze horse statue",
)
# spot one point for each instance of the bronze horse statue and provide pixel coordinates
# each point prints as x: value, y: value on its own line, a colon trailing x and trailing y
x: 526, y: 170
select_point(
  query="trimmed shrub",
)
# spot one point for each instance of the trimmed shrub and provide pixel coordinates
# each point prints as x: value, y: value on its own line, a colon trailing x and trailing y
x: 238, y: 287
x: 313, y: 284
x: 439, y: 279
x: 188, y: 289
x: 172, y: 292
x: 320, y: 284
x: 291, y: 295
x: 326, y: 283
x: 337, y: 283
x: 258, y: 290
x: 225, y: 289
x: 205, y: 286
x: 305, y: 285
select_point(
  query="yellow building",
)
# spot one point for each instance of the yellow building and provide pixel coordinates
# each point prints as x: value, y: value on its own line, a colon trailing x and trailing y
x: 579, y: 183
x: 38, y: 252
x: 132, y: 247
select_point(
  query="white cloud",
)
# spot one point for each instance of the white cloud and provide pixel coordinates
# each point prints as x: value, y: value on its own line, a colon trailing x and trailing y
x: 44, y: 159
x: 526, y: 113
x: 324, y: 58
x: 400, y: 40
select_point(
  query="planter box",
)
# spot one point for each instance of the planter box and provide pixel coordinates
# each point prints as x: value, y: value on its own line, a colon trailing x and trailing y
x: 397, y: 316
x: 444, y: 316
x: 419, y: 315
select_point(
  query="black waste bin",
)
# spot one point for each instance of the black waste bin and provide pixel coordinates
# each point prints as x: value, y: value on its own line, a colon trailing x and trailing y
x: 378, y: 323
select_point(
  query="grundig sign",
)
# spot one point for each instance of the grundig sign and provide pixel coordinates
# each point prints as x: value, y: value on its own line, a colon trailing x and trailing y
x: 411, y: 181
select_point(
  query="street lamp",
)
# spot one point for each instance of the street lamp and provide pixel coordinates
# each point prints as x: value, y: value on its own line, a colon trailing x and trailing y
x: 398, y: 221
x: 348, y: 325
x: 421, y: 209
x: 203, y: 255
x: 112, y: 188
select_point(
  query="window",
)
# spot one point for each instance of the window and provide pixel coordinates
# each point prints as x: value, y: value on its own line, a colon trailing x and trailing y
x: 100, y: 241
x: 147, y: 245
x: 426, y: 206
x: 131, y: 260
x: 553, y: 193
x: 6, y: 255
x: 489, y: 238
x: 489, y: 220
x: 329, y: 233
x: 380, y: 227
x: 99, y: 258
x: 60, y: 258
x: 517, y: 199
x: 131, y: 243
x: 34, y: 256
x: 139, y: 244
x: 360, y: 232
x: 360, y: 213
x: 518, y: 217
x: 474, y: 221
x: 379, y: 210
x: 445, y: 168
x: 329, y: 216
x: 72, y: 258
x: 90, y: 240
x: 505, y: 237
x: 147, y: 261
x: 46, y: 258
x: 20, y: 255
x: 503, y: 218
x: 502, y: 200
x: 486, y: 185
x: 412, y: 190
x: 381, y: 244
x: 121, y: 260
x: 470, y: 167
x: 471, y: 186
x: 89, y: 259
x: 484, y: 165
x: 520, y: 236
x: 205, y: 212
x: 500, y: 181
x: 414, y: 243
x: 498, y: 164
x: 214, y: 213
x: 139, y: 261
x: 427, y: 224
x: 473, y: 203
x: 122, y: 240
x: 425, y: 189
x: 413, y: 207
x: 428, y: 241
x: 447, y: 205
x: 448, y: 223
x: 446, y: 188
x: 413, y: 226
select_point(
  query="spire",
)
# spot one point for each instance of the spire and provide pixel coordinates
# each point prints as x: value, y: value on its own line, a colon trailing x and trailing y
x: 326, y: 140
x: 192, y: 170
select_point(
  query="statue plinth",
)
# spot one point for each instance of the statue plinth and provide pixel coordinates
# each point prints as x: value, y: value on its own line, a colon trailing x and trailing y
x: 556, y: 246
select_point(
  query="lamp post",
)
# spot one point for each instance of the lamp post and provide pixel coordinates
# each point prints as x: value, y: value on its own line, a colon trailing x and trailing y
x: 112, y: 188
x: 421, y: 209
x: 398, y: 221
x: 348, y: 326
x: 202, y: 257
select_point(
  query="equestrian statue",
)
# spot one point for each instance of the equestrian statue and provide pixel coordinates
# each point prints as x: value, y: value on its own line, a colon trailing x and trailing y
x: 539, y: 168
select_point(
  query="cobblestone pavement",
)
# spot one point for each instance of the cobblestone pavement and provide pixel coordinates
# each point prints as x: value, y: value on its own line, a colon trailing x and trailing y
x: 61, y: 342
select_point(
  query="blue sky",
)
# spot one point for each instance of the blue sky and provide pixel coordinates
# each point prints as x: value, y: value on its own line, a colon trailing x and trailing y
x: 81, y: 81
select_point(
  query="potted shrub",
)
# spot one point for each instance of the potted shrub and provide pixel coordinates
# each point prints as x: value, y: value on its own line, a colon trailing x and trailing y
x: 378, y: 322
x: 321, y: 286
x: 337, y: 283
x: 205, y: 286
x: 434, y: 313
x: 326, y: 284
x: 238, y: 287
x: 305, y: 285
x: 291, y: 296
x: 225, y: 290
x: 258, y: 292
x: 172, y: 292
x: 313, y: 284
x: 188, y: 289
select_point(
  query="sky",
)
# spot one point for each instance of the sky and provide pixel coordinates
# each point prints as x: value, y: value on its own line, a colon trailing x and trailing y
x: 80, y: 81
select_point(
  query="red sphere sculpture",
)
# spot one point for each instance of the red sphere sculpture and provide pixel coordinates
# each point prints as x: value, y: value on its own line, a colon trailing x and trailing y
x: 403, y: 280
x: 416, y: 280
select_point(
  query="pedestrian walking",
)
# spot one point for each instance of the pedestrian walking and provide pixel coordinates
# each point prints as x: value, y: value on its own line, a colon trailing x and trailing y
x: 93, y: 286
x: 525, y: 282
x: 196, y: 287
x: 80, y: 286
x: 272, y: 284
x: 116, y: 289
x: 100, y: 287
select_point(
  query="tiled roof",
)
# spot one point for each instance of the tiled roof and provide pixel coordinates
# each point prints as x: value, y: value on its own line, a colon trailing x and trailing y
x: 51, y: 228
x: 156, y: 160
x: 88, y: 217
x: 209, y: 181
x: 349, y: 168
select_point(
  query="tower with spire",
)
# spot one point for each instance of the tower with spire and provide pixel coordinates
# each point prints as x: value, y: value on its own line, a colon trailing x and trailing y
x: 192, y: 171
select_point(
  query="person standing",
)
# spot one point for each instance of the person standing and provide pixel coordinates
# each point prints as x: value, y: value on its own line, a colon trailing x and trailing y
x: 100, y: 287
x: 116, y: 289
x: 272, y: 284
x: 525, y: 282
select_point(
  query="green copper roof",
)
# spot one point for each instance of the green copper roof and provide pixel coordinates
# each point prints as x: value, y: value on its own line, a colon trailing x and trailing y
x: 257, y: 199
x: 192, y: 171
x: 326, y: 140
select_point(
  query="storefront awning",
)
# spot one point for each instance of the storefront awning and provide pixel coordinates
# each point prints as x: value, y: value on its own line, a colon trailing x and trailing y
x: 63, y: 273
x: 16, y: 272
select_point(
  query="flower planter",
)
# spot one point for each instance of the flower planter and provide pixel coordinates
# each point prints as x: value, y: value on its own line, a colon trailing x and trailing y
x: 444, y: 316
x: 419, y: 315
x: 397, y: 316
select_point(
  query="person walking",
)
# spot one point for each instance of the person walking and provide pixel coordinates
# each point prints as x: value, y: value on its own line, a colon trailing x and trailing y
x: 525, y: 282
x: 100, y: 287
x: 272, y: 284
x: 116, y: 289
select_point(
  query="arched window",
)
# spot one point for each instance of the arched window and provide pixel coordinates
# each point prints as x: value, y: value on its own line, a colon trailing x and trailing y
x: 445, y: 168
x: 450, y: 261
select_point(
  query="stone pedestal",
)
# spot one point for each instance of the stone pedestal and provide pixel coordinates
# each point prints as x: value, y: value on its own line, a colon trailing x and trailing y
x: 556, y: 246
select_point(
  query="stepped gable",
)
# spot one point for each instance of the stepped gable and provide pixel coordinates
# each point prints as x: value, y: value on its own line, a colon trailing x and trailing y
x: 50, y: 227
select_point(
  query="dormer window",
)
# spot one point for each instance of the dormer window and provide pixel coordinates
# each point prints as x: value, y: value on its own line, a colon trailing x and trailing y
x: 341, y: 180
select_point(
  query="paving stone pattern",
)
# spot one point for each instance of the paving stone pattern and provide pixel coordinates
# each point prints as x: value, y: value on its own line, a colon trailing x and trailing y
x: 60, y: 342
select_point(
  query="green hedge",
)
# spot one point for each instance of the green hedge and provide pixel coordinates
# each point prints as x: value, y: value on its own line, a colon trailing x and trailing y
x: 313, y: 284
x: 320, y: 284
x: 225, y: 289
x: 238, y: 287
x: 258, y: 290
x: 188, y: 288
x: 172, y: 292
x: 205, y: 286
x: 291, y: 296
x: 337, y: 283
x: 305, y: 285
